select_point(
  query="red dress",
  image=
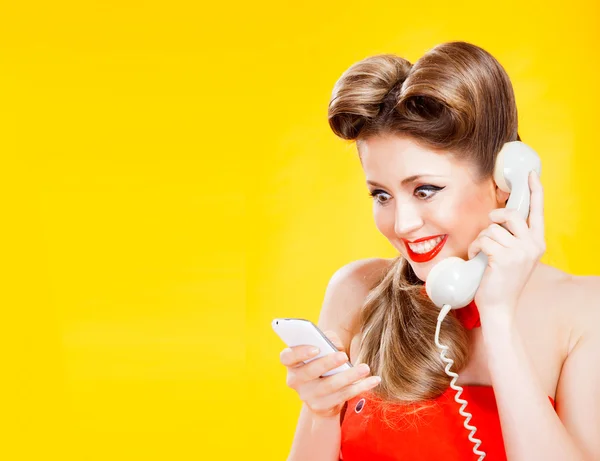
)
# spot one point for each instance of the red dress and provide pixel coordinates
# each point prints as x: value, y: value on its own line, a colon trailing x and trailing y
x: 436, y: 432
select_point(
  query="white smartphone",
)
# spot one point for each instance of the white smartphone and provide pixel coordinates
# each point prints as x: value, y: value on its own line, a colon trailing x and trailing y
x: 301, y: 332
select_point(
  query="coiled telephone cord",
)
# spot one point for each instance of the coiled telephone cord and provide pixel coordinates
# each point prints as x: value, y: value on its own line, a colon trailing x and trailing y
x: 454, y: 386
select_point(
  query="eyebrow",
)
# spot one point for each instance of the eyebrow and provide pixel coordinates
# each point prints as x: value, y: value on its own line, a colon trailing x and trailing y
x: 408, y: 180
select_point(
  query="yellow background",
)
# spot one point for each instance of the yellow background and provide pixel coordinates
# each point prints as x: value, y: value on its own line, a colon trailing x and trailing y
x: 170, y: 184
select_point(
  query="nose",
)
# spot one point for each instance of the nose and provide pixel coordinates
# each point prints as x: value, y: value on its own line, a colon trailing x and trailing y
x: 408, y: 219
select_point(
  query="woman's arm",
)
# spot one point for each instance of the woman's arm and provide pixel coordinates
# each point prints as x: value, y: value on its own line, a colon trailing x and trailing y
x: 318, y: 438
x: 530, y: 427
x: 578, y: 393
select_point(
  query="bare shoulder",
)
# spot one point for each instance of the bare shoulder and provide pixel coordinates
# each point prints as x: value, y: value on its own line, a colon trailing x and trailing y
x: 574, y: 301
x: 361, y: 274
x: 585, y: 302
x: 346, y: 292
x: 587, y: 290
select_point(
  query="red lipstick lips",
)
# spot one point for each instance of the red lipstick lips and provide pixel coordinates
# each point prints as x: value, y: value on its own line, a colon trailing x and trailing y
x: 423, y: 258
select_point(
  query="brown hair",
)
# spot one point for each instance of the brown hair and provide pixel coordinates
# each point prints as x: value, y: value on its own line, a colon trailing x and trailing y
x: 457, y: 98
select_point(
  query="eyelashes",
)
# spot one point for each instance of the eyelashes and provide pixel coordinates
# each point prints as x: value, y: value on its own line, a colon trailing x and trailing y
x: 375, y: 194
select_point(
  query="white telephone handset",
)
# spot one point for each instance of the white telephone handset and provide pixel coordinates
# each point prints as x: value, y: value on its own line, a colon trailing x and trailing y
x: 455, y: 281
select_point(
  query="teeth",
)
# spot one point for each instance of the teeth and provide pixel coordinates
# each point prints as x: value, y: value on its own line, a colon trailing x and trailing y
x: 426, y: 246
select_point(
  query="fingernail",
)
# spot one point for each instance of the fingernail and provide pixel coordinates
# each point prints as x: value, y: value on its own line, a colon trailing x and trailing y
x: 375, y: 380
x: 313, y: 351
x: 364, y: 368
x: 341, y: 357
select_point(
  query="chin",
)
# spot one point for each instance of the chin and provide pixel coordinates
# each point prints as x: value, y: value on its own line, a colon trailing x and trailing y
x: 420, y: 272
x: 422, y: 278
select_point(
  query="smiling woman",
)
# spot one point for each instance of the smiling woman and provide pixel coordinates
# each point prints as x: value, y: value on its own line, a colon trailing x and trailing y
x: 431, y: 118
x: 449, y: 203
x: 428, y: 136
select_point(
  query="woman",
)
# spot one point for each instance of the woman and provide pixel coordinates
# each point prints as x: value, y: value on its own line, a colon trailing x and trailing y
x: 527, y: 350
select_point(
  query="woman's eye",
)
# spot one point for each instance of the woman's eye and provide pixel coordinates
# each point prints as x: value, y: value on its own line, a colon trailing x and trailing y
x: 377, y: 194
x: 427, y: 191
x: 422, y: 192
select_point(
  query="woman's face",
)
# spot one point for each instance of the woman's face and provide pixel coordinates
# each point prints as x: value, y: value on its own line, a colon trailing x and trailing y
x: 426, y: 196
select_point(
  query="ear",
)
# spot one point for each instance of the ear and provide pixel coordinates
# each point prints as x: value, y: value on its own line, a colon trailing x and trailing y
x: 501, y: 197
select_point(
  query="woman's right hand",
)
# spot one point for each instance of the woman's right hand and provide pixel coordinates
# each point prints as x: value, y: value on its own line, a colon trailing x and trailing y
x: 325, y: 396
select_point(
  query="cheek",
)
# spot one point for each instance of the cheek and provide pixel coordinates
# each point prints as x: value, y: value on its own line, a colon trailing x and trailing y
x: 384, y: 220
x: 466, y: 221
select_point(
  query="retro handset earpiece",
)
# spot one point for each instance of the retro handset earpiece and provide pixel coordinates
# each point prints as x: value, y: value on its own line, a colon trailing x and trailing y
x: 454, y: 281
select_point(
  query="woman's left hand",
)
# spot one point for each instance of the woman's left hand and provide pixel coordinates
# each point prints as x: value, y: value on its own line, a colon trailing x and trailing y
x: 513, y: 255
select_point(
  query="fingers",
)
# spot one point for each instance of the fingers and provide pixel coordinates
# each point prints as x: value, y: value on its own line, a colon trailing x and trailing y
x: 319, y: 367
x: 335, y: 339
x: 359, y: 387
x: 485, y: 244
x: 294, y: 356
x: 511, y: 220
x: 499, y: 234
x: 530, y: 231
x: 335, y: 383
x: 349, y: 392
x: 494, y: 232
x: 312, y: 371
